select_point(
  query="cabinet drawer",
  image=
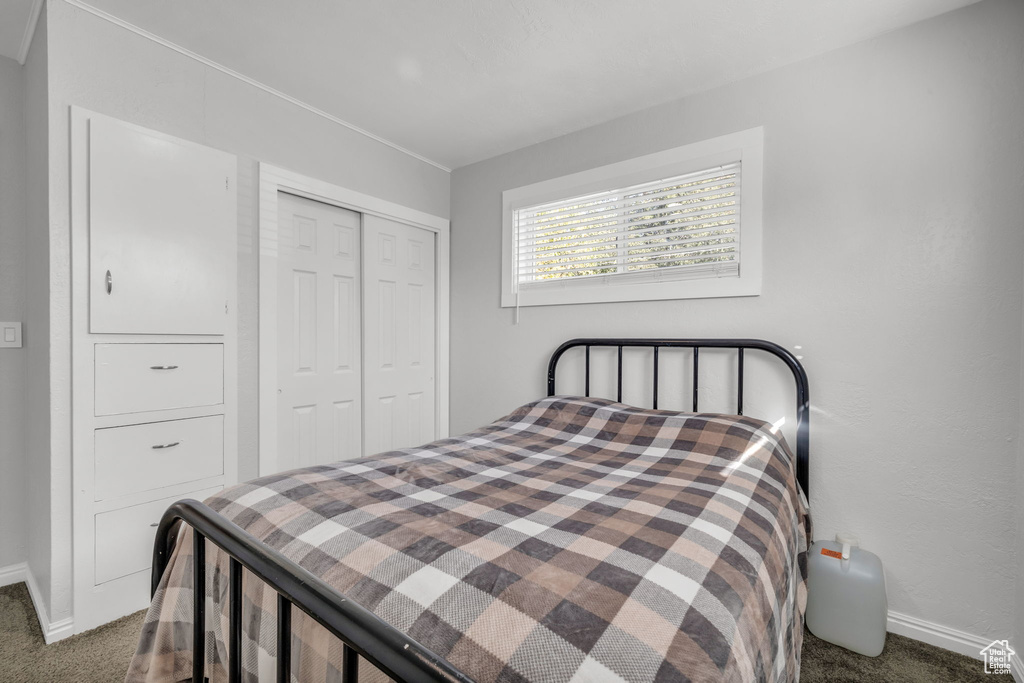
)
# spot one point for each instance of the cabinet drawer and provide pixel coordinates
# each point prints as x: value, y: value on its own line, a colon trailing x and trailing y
x: 124, y: 538
x: 150, y: 456
x: 134, y: 378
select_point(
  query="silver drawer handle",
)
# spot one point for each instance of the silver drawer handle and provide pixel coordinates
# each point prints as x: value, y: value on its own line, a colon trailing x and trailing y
x: 154, y: 524
x: 110, y: 283
x: 163, y: 367
x: 166, y: 445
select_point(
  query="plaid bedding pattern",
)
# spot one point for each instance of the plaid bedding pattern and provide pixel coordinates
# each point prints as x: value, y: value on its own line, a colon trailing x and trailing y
x: 576, y: 539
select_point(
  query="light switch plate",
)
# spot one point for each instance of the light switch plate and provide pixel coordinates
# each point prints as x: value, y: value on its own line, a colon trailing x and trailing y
x: 10, y: 335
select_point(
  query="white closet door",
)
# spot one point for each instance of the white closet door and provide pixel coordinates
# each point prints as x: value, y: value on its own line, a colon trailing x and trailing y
x: 399, y: 335
x: 319, y: 384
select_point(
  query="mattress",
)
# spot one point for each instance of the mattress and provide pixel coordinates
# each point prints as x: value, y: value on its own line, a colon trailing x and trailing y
x: 575, y: 539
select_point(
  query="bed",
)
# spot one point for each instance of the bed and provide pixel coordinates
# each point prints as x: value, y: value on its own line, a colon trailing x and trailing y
x: 576, y: 539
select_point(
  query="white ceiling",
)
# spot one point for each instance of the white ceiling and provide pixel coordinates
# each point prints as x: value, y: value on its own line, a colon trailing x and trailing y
x: 457, y: 81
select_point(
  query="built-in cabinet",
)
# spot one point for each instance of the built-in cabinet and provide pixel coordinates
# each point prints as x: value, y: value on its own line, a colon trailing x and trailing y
x: 154, y: 347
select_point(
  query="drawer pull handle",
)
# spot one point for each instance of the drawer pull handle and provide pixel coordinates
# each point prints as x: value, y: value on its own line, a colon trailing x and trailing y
x: 110, y: 283
x: 166, y: 445
x: 163, y: 367
x: 155, y: 524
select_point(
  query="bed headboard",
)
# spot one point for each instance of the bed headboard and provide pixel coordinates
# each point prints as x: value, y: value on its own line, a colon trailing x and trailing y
x: 799, y: 376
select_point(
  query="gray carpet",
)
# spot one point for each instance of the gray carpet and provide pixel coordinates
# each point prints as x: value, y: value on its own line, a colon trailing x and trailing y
x: 902, y: 659
x: 102, y: 655
x: 98, y: 655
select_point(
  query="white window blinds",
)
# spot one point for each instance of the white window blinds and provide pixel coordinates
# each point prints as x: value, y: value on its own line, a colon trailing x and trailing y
x: 683, y: 227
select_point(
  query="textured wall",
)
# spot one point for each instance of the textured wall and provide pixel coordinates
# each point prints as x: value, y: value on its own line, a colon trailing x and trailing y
x: 892, y: 212
x: 1017, y: 640
x: 37, y: 317
x: 13, y: 362
x: 109, y: 70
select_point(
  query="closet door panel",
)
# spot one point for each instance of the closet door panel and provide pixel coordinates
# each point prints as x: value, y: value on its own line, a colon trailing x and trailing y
x: 399, y: 335
x: 319, y: 366
x: 162, y: 217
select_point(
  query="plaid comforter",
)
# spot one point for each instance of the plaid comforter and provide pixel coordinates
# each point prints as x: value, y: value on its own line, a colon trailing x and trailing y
x: 573, y: 540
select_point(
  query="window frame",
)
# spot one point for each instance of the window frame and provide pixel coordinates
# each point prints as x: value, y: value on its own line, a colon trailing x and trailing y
x: 746, y: 147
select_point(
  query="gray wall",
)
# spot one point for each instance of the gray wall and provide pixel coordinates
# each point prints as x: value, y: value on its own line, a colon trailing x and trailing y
x: 107, y: 69
x: 37, y: 321
x: 1018, y: 633
x: 893, y: 246
x: 13, y: 362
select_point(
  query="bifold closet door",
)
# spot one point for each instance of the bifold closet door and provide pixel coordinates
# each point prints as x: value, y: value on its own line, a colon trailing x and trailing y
x: 319, y: 367
x: 399, y: 324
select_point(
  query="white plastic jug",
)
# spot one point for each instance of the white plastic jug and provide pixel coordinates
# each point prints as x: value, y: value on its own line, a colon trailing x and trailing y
x: 846, y: 602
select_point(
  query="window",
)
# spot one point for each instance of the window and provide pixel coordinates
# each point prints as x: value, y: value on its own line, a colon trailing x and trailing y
x: 683, y: 223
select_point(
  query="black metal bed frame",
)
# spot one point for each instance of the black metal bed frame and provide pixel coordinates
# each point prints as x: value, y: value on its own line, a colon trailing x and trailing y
x: 360, y: 630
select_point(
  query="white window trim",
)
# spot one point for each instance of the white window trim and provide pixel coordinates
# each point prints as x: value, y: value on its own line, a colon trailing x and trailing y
x: 745, y: 146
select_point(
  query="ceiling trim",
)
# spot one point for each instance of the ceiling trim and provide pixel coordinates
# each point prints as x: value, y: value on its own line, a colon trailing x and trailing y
x: 234, y: 74
x: 30, y: 31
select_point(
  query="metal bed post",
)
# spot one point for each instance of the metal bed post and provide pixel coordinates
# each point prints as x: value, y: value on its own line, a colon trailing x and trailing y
x: 655, y: 402
x: 284, y: 639
x: 235, y: 621
x: 696, y: 374
x: 198, y: 606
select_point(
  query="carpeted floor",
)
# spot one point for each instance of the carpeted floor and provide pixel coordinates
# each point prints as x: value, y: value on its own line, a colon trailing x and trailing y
x: 902, y: 659
x: 98, y: 655
x: 102, y: 655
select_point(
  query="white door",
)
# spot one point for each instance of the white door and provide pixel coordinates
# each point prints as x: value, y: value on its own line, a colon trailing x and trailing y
x: 319, y: 373
x: 399, y: 335
x: 162, y: 220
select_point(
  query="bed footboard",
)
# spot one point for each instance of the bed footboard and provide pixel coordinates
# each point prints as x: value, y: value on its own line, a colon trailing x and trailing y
x: 361, y: 631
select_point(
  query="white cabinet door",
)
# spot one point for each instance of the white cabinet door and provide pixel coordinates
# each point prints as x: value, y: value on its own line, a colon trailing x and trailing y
x: 319, y: 369
x: 399, y: 335
x: 162, y: 218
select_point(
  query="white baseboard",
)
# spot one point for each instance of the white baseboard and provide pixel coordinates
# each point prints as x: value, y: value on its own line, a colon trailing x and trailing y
x: 52, y: 631
x: 948, y: 639
x: 11, y: 574
x: 935, y: 634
